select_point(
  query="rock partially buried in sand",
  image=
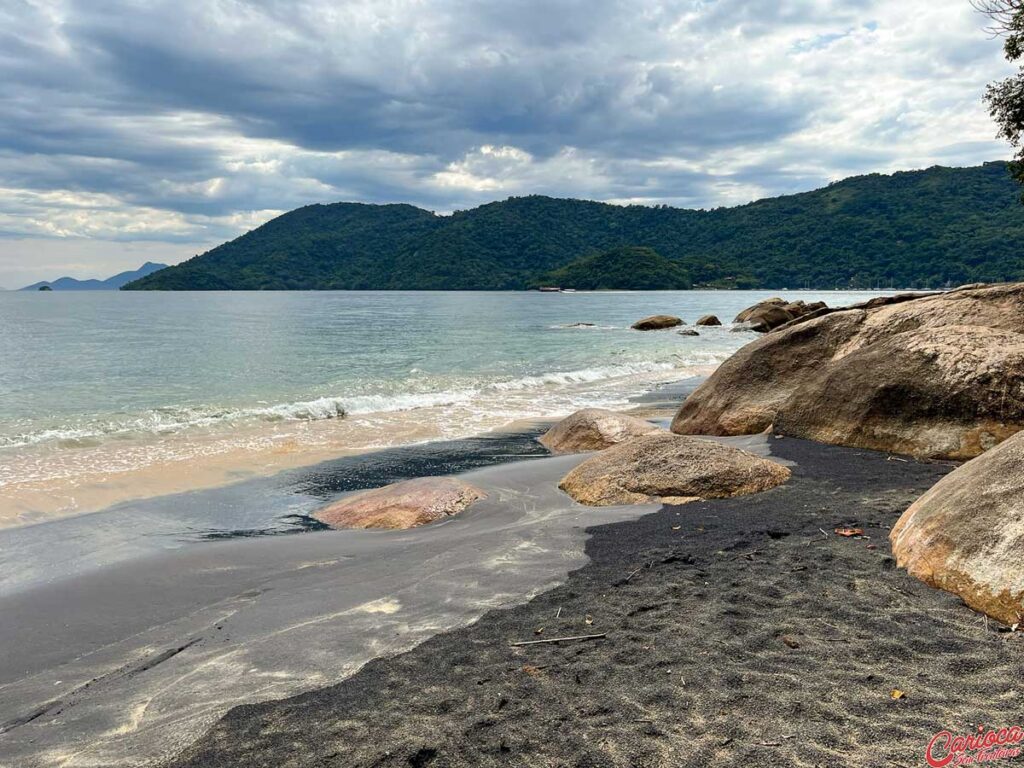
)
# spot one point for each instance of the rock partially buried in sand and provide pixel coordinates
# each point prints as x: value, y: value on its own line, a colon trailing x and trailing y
x: 594, y: 429
x: 671, y: 469
x: 402, y: 505
x: 966, y: 534
x: 656, y: 322
x: 940, y: 376
x: 708, y: 320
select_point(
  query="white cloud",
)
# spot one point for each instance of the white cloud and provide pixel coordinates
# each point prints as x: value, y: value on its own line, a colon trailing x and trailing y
x: 186, y: 122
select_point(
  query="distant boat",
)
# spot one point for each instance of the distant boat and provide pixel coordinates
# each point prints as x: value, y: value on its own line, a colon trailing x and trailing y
x: 549, y: 289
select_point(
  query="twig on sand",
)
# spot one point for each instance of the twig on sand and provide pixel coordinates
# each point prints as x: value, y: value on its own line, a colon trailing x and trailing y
x: 561, y: 639
x: 559, y: 613
x: 823, y: 533
x: 632, y: 574
x: 749, y: 555
x: 769, y: 744
x: 896, y: 458
x: 623, y: 581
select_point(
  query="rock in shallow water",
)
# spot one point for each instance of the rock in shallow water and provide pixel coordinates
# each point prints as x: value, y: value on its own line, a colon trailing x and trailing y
x: 656, y: 322
x: 708, y: 320
x: 940, y: 376
x: 966, y: 534
x: 402, y: 505
x: 594, y: 429
x: 672, y: 469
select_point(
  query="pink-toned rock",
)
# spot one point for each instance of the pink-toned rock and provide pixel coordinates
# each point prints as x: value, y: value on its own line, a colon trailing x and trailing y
x: 594, y: 429
x: 402, y: 505
x: 966, y: 534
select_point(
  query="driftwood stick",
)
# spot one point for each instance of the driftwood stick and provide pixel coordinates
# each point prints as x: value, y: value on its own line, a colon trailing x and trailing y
x: 561, y: 639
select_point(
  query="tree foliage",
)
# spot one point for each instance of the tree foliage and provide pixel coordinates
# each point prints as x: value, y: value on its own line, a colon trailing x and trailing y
x: 1006, y: 97
x: 630, y: 268
x: 913, y: 229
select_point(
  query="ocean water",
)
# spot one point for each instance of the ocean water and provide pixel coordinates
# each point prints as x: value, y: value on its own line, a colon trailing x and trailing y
x: 106, y: 396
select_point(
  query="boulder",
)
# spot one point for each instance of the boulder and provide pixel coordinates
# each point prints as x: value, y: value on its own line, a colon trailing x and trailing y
x: 743, y: 316
x: 656, y: 322
x: 966, y: 534
x: 672, y: 469
x: 940, y: 376
x: 769, y: 316
x: 594, y: 429
x: 402, y: 505
x: 775, y: 313
x: 708, y: 320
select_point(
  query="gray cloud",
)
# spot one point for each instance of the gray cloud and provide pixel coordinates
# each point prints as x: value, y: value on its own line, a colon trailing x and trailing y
x: 190, y: 121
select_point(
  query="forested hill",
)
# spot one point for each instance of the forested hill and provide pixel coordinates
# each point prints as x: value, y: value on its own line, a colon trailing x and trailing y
x: 919, y: 228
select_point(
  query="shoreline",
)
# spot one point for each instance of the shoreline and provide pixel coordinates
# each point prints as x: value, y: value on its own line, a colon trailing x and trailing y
x: 234, y: 603
x: 692, y: 604
x: 276, y: 448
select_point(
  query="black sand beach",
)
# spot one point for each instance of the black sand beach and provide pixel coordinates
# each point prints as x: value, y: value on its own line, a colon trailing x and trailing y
x: 693, y: 603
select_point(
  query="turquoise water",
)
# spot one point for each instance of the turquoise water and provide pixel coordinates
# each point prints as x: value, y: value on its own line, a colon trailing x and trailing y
x: 112, y: 380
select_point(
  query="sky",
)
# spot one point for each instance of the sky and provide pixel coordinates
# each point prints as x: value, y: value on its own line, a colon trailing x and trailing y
x: 135, y: 130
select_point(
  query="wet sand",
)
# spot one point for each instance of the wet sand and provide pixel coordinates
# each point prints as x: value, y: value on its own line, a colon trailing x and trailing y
x: 121, y: 651
x: 692, y: 670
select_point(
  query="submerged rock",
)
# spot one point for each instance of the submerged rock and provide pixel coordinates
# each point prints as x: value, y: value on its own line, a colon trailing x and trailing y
x: 656, y: 322
x: 402, y: 505
x: 688, y: 332
x: 671, y: 469
x: 594, y: 429
x: 966, y: 534
x: 940, y: 376
x: 708, y: 320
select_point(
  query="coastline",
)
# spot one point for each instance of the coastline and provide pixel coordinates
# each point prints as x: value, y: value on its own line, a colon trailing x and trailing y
x: 234, y: 603
x: 692, y: 604
x: 262, y: 451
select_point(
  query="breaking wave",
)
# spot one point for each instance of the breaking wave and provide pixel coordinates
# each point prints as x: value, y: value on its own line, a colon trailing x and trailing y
x: 170, y: 420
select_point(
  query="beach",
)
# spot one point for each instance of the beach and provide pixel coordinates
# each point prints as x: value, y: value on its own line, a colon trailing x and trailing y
x: 389, y: 648
x: 692, y: 604
x: 226, y: 625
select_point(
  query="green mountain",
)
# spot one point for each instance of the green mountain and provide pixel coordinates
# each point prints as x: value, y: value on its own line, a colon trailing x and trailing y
x: 917, y: 228
x: 629, y: 267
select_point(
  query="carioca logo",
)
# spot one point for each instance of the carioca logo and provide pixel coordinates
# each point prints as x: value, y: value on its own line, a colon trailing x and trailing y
x: 946, y: 749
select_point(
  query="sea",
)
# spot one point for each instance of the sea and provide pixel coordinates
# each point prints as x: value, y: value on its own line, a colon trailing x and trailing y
x: 108, y: 396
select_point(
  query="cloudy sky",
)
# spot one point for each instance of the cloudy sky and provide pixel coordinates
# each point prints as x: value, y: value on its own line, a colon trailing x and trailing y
x: 134, y: 130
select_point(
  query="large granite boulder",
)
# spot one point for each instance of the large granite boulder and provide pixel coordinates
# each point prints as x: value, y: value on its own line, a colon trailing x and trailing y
x: 407, y: 504
x: 966, y: 534
x: 594, y: 429
x: 671, y: 469
x: 656, y: 323
x: 940, y: 376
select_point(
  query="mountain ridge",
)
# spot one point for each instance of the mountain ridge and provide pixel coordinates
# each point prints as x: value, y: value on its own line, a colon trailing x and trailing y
x: 923, y: 228
x: 113, y: 283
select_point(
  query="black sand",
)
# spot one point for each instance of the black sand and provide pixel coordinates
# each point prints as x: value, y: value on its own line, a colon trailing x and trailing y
x: 693, y: 670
